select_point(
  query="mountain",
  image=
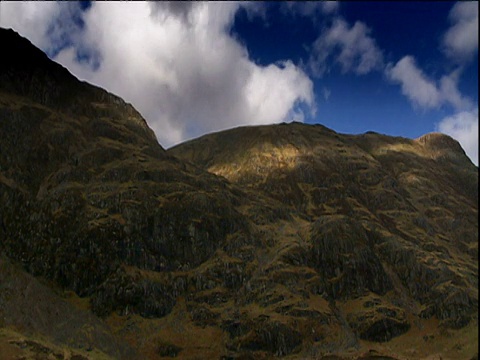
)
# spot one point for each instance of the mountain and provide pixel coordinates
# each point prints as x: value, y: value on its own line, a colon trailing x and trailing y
x: 385, y: 227
x: 286, y: 240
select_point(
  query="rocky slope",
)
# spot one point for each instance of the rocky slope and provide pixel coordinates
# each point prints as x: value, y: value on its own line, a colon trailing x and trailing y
x: 286, y: 240
x: 387, y: 222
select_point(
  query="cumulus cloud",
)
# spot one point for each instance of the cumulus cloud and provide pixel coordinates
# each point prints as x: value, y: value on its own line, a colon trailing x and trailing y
x: 351, y: 47
x: 463, y: 126
x: 424, y: 92
x: 460, y: 42
x: 288, y: 80
x: 451, y: 94
x: 330, y: 7
x: 178, y: 65
x: 181, y: 9
x: 34, y: 20
x: 415, y: 85
x: 310, y: 8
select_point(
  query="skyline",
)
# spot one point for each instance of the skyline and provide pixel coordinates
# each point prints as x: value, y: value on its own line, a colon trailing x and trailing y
x: 190, y: 68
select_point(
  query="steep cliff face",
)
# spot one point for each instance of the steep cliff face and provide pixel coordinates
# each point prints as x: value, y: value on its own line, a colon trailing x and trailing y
x: 286, y: 240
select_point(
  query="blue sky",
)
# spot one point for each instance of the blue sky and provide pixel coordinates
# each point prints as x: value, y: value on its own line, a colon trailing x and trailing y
x: 398, y: 68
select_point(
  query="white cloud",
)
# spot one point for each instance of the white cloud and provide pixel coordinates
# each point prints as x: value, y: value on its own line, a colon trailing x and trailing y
x: 461, y: 40
x: 310, y: 8
x: 50, y: 26
x: 287, y: 80
x: 463, y: 127
x: 423, y: 91
x: 34, y: 20
x: 326, y: 93
x: 352, y: 47
x: 178, y: 65
x: 415, y: 85
x: 330, y: 7
x: 450, y: 94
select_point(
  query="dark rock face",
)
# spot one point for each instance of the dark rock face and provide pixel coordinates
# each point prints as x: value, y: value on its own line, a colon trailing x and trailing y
x: 379, y: 324
x: 344, y: 258
x: 269, y: 241
x: 137, y: 295
x: 272, y: 337
x: 168, y: 350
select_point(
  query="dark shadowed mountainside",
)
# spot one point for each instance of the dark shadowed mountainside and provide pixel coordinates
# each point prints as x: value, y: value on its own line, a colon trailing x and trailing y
x: 286, y: 240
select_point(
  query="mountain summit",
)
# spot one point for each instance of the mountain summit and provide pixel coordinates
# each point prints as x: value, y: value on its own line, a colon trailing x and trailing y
x: 286, y: 240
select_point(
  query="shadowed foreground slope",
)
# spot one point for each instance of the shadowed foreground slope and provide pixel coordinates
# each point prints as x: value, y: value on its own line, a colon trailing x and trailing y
x: 286, y: 240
